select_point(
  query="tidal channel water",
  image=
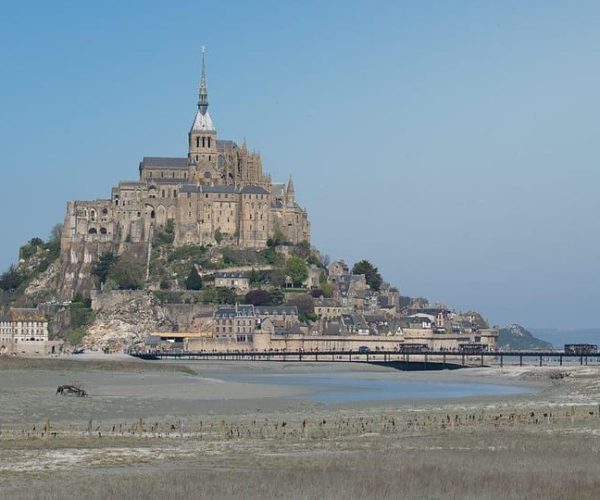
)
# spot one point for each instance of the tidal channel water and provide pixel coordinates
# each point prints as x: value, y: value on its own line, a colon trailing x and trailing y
x: 332, y: 388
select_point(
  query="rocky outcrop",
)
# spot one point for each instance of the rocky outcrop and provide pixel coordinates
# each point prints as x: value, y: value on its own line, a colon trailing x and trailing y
x: 518, y: 338
x: 125, y: 318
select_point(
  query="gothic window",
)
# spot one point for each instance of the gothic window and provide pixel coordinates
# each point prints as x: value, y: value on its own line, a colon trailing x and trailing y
x: 209, y: 146
x: 93, y: 231
x: 104, y: 211
x: 197, y: 144
x: 103, y: 230
x: 203, y: 143
x: 152, y: 214
x: 174, y: 193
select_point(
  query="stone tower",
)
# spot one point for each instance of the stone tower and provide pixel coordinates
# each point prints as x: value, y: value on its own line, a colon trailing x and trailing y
x: 290, y: 194
x: 202, y: 138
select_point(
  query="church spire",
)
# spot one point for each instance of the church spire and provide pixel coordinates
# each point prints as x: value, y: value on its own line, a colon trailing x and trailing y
x: 203, y: 94
x: 290, y: 195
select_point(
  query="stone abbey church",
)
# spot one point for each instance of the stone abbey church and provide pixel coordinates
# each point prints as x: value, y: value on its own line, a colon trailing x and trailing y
x: 217, y: 193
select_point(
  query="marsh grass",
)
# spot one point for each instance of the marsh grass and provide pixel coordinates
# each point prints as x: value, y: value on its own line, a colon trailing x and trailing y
x: 448, y: 465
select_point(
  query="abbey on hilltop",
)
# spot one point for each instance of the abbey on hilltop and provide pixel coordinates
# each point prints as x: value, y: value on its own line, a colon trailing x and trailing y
x: 217, y: 194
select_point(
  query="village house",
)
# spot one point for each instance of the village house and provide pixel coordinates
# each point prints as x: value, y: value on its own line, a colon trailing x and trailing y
x: 328, y: 308
x: 24, y: 331
x: 236, y: 280
x: 234, y: 323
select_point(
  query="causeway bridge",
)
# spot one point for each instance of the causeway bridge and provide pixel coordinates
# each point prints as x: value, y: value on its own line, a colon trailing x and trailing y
x: 402, y: 359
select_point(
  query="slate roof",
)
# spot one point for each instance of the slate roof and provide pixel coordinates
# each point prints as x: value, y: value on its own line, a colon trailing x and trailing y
x: 163, y: 162
x: 226, y: 145
x: 224, y: 274
x: 203, y: 122
x: 244, y: 310
x: 253, y: 190
x: 222, y: 188
x: 276, y: 310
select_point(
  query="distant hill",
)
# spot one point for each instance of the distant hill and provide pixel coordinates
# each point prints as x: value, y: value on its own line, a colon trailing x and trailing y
x: 516, y: 337
x: 574, y: 336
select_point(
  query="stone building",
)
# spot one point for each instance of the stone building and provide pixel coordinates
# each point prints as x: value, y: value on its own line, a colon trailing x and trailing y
x: 23, y: 331
x: 217, y: 194
x: 237, y: 280
x: 234, y: 323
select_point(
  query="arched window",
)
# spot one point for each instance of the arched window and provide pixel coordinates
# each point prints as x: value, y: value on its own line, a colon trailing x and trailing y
x: 152, y: 214
x: 209, y: 142
x: 197, y: 143
x: 92, y: 231
x: 104, y: 211
x: 103, y: 230
x: 203, y: 143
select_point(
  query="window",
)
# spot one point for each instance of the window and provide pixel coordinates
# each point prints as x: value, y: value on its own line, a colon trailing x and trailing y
x: 203, y: 143
x: 209, y: 146
x: 197, y: 144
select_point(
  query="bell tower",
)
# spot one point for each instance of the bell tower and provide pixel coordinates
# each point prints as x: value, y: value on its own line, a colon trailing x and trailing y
x: 202, y: 138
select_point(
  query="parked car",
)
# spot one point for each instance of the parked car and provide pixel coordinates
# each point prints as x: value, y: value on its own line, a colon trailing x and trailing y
x: 363, y: 349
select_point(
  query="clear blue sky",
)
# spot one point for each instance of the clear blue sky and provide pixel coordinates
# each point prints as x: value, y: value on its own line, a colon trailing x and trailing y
x: 454, y: 144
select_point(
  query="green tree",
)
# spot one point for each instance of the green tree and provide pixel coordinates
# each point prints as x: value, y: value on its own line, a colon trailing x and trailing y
x: 225, y: 295
x: 305, y: 305
x: 12, y: 279
x: 276, y: 297
x: 127, y: 275
x: 257, y: 297
x: 297, y: 270
x: 372, y: 276
x: 193, y: 281
x: 103, y: 266
x: 167, y: 235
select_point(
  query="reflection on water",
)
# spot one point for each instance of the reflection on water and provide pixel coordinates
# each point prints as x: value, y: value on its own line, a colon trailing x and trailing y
x: 342, y: 387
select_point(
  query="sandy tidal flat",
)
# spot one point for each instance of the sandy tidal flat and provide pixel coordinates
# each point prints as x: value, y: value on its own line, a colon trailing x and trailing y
x: 203, y: 426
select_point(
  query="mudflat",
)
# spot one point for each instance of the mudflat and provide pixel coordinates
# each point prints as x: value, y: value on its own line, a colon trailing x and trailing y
x: 214, y: 430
